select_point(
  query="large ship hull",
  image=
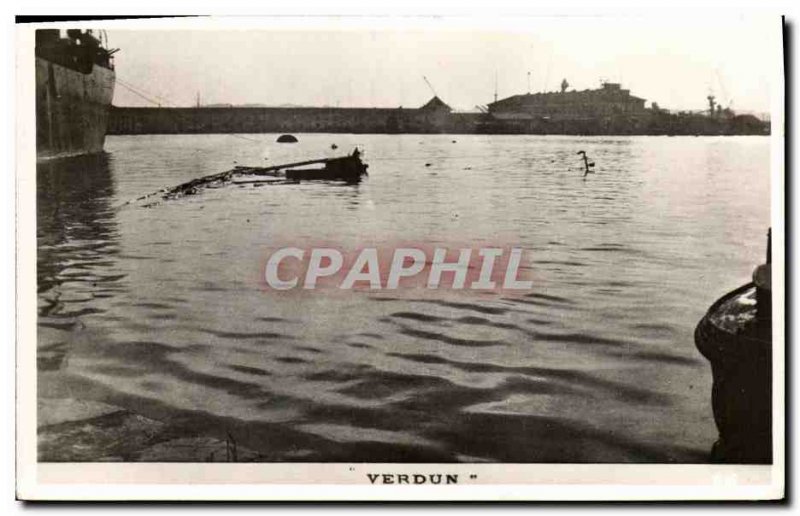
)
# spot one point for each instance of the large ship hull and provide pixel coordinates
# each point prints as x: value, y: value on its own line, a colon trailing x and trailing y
x: 71, y: 109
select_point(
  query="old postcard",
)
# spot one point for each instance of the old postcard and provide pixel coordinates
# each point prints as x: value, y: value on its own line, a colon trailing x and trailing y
x: 401, y: 258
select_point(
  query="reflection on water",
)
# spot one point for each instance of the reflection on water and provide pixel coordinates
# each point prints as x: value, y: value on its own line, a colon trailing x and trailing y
x: 76, y: 246
x: 161, y: 310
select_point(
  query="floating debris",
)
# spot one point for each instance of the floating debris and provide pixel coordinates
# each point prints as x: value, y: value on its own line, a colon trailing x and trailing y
x: 287, y: 138
x: 74, y: 430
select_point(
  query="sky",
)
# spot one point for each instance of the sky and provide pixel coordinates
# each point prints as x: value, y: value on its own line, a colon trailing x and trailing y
x: 676, y: 62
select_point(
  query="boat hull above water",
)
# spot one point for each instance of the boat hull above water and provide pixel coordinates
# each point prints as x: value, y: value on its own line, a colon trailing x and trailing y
x: 74, y: 90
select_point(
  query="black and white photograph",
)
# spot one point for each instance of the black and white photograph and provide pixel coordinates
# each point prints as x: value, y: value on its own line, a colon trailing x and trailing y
x: 402, y: 252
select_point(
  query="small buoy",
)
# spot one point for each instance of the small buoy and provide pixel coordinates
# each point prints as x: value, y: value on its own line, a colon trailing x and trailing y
x: 287, y: 138
x: 427, y: 164
x: 454, y: 141
x: 334, y: 146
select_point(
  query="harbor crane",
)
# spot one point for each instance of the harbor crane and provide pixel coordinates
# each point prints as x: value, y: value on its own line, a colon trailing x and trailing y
x: 429, y: 85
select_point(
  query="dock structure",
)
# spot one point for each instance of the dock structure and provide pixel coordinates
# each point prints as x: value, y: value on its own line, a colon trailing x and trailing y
x: 609, y: 100
x: 609, y: 110
x: 433, y: 117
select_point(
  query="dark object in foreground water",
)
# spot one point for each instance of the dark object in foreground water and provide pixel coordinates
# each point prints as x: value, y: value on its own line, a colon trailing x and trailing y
x: 736, y: 338
x: 287, y: 138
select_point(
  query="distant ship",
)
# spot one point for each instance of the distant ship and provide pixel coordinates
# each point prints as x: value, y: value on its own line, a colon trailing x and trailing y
x: 74, y: 88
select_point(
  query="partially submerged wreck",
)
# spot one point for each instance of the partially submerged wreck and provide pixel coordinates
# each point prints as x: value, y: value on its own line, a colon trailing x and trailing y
x: 348, y: 169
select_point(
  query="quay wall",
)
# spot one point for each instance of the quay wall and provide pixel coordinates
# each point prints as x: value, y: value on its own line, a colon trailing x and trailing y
x: 136, y: 120
x: 130, y: 120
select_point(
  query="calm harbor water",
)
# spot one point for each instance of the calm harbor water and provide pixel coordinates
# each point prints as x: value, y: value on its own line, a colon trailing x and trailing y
x: 161, y: 310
